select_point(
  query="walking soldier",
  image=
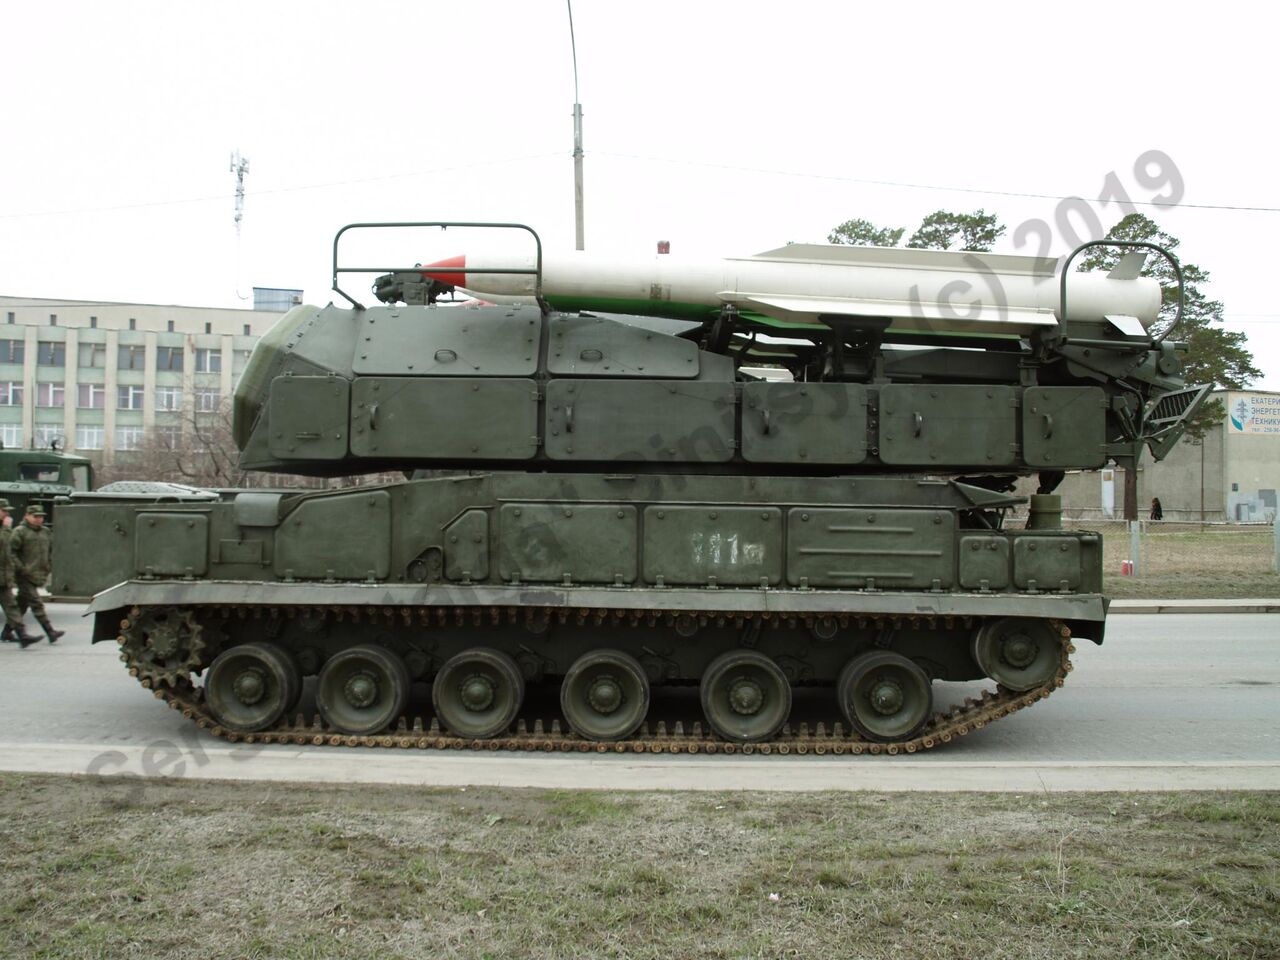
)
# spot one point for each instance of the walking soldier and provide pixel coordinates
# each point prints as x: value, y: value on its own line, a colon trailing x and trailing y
x: 32, y: 548
x: 14, y: 630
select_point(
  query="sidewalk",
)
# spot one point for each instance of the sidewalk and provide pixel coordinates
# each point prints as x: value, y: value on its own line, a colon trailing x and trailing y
x: 1240, y: 605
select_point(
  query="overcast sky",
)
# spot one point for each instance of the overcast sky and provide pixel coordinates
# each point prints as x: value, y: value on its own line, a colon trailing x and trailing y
x: 723, y: 127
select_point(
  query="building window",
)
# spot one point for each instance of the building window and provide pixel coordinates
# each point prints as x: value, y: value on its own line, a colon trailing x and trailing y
x: 93, y: 323
x: 12, y: 318
x: 133, y: 323
x: 168, y: 398
x: 91, y: 396
x: 11, y: 434
x: 168, y: 358
x: 129, y: 397
x: 246, y: 331
x: 89, y: 437
x: 208, y: 327
x: 53, y: 319
x: 10, y: 393
x: 208, y: 361
x: 207, y: 399
x: 169, y: 326
x: 12, y: 351
x: 50, y: 394
x: 131, y: 357
x: 92, y: 355
x: 51, y: 353
x: 42, y: 437
x: 128, y: 438
x: 167, y: 436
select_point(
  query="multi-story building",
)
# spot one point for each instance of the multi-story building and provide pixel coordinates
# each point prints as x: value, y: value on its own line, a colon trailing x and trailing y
x: 100, y: 377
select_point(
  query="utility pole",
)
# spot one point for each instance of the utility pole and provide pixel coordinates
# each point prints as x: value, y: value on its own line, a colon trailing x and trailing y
x: 239, y: 166
x: 577, y: 140
x: 1202, y: 440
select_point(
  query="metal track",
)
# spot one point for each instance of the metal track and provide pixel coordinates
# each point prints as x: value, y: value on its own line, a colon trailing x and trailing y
x: 423, y: 734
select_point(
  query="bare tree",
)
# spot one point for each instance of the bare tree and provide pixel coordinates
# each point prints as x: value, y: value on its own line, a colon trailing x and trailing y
x: 197, y: 450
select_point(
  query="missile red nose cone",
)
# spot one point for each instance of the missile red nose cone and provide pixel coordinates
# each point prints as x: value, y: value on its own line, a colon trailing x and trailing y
x: 450, y: 271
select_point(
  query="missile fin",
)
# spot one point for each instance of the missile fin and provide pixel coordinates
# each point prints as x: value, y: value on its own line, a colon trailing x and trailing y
x: 1130, y: 266
x: 812, y: 252
x: 911, y: 258
x: 1127, y: 326
x: 903, y: 314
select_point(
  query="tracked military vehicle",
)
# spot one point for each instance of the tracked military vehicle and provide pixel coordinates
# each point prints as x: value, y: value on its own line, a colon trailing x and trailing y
x: 765, y: 523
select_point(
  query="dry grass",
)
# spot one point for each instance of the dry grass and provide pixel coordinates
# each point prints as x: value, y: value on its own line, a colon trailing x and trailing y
x: 212, y: 870
x: 1202, y: 586
x: 1175, y: 553
x: 1189, y: 560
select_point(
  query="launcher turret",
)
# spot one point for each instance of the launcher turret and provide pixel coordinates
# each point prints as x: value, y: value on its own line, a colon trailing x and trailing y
x: 808, y: 359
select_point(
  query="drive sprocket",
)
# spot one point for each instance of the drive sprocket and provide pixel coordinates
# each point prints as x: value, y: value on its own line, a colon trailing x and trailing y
x: 163, y: 644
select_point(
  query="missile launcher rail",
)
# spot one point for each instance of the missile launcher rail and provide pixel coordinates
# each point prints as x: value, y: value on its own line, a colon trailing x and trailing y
x: 645, y: 544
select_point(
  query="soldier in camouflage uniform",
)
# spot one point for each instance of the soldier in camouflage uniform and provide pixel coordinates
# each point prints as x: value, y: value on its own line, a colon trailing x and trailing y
x: 14, y: 630
x: 32, y: 549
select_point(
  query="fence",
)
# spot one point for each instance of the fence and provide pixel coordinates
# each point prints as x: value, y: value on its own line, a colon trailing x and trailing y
x: 1172, y: 558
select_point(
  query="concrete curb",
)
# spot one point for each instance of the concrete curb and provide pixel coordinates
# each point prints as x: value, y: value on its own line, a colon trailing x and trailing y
x: 1117, y: 606
x: 624, y: 772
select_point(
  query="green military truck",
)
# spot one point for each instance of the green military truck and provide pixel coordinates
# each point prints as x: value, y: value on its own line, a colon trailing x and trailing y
x: 30, y: 477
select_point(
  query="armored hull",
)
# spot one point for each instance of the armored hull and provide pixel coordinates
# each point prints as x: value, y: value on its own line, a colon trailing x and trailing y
x: 644, y: 546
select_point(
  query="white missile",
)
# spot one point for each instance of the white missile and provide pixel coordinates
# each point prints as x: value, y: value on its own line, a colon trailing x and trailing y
x: 803, y: 285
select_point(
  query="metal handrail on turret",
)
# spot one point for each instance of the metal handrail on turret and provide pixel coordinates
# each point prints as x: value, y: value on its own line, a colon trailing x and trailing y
x: 1132, y: 244
x: 535, y: 271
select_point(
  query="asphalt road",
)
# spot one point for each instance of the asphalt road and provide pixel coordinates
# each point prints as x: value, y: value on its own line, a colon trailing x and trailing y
x: 1171, y: 701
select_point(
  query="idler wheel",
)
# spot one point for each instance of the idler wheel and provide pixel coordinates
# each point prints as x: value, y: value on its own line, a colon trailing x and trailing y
x: 1017, y: 652
x: 362, y: 690
x: 885, y: 696
x: 249, y: 687
x: 605, y: 695
x: 478, y: 693
x: 745, y: 696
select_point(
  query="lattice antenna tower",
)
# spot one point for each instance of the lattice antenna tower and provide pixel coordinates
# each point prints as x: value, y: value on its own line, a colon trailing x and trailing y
x: 239, y: 166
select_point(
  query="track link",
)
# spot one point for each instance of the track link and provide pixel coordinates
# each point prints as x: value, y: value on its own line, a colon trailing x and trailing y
x: 653, y: 738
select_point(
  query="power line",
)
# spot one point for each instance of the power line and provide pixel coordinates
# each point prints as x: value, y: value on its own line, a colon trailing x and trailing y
x: 302, y: 187
x: 630, y: 156
x: 921, y: 186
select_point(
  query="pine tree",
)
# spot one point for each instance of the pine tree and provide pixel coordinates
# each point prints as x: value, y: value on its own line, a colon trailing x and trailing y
x: 940, y: 230
x: 1214, y: 355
